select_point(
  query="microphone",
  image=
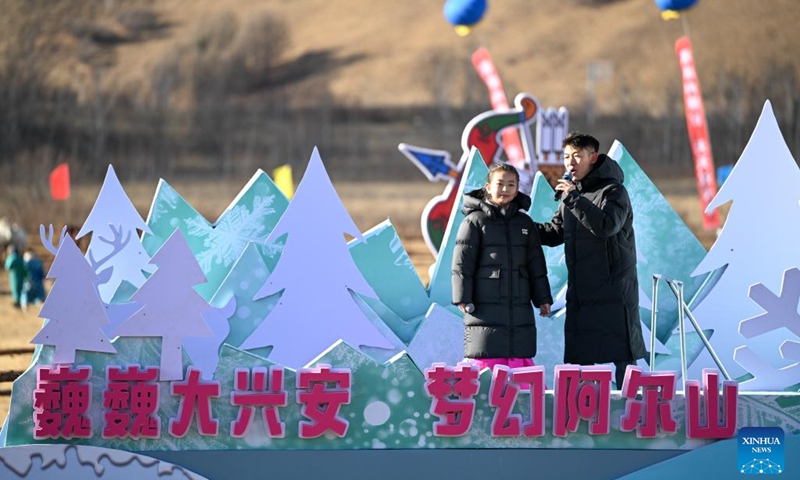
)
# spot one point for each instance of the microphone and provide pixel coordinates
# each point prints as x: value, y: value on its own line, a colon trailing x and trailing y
x: 566, y: 176
x: 469, y: 308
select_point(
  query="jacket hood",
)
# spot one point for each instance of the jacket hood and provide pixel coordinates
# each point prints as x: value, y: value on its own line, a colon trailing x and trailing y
x: 476, y: 200
x: 605, y: 169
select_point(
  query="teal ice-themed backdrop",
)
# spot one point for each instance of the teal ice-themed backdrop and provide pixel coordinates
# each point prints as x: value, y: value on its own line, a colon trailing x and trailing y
x: 274, y: 286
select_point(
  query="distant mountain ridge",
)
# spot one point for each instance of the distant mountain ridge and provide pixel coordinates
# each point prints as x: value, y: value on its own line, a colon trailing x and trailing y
x: 403, y: 52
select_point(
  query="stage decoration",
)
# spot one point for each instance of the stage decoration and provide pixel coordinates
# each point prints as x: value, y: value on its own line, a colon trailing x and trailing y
x: 485, y: 133
x: 113, y: 222
x: 249, y: 218
x: 752, y: 266
x: 297, y: 328
x: 68, y: 462
x: 307, y: 342
x: 172, y: 309
x: 484, y: 65
x: 74, y: 312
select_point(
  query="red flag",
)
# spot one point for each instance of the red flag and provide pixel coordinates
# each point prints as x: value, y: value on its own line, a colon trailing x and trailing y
x: 59, y: 182
x: 698, y: 132
x: 482, y: 62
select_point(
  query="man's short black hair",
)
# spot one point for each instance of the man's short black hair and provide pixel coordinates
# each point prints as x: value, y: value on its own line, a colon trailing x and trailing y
x: 580, y: 141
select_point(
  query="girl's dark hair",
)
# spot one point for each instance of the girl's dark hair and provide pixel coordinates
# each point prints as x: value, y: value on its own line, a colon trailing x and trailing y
x: 506, y: 167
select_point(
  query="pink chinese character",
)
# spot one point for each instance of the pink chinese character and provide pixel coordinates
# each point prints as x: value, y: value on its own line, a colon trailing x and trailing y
x: 195, y: 395
x: 321, y: 404
x: 60, y: 402
x: 131, y: 400
x: 710, y: 426
x: 441, y: 383
x: 582, y: 393
x: 247, y: 397
x: 658, y: 388
x: 503, y: 395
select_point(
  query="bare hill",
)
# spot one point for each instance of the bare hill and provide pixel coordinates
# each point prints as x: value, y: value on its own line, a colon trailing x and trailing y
x: 403, y: 52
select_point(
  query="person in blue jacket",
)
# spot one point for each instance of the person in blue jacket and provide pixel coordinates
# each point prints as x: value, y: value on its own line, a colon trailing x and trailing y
x: 15, y: 266
x: 33, y: 290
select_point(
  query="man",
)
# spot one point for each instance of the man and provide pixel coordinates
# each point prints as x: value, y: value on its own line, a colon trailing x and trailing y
x: 594, y: 221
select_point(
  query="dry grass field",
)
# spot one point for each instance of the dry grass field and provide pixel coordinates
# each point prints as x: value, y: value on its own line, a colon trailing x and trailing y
x: 368, y: 204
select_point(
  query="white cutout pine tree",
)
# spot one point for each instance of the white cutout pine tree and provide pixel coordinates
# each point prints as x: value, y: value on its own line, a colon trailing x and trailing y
x: 315, y: 274
x: 74, y: 308
x: 172, y: 310
x: 758, y: 242
x: 115, y: 243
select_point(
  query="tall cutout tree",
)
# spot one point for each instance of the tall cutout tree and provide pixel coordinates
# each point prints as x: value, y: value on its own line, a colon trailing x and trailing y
x: 315, y: 276
x: 115, y: 251
x: 756, y: 245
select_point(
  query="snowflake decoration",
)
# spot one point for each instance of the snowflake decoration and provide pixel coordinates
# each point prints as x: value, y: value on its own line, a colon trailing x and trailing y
x: 167, y: 201
x: 402, y: 259
x: 225, y: 241
x: 779, y: 311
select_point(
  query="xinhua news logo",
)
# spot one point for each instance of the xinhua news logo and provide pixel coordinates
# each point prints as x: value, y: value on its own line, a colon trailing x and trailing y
x: 760, y: 450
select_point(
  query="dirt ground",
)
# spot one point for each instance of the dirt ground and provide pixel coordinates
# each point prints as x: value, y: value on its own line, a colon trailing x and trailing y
x: 368, y: 204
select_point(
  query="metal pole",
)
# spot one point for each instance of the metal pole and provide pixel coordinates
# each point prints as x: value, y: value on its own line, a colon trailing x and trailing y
x: 682, y: 330
x: 703, y: 337
x: 653, y: 322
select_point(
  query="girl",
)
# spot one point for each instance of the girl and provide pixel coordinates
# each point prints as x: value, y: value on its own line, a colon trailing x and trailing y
x: 498, y: 270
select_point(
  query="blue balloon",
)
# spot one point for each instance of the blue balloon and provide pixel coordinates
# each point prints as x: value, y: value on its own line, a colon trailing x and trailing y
x: 464, y: 12
x: 675, y: 4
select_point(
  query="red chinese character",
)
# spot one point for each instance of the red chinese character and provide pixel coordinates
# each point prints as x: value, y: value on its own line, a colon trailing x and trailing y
x: 60, y: 401
x: 131, y: 400
x: 441, y: 383
x: 247, y: 397
x: 658, y: 388
x: 710, y: 426
x: 582, y: 393
x: 195, y: 395
x: 321, y: 404
x: 503, y: 395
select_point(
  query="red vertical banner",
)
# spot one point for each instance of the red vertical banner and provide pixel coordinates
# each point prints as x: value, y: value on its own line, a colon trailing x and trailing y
x: 483, y: 64
x: 59, y: 182
x: 698, y: 132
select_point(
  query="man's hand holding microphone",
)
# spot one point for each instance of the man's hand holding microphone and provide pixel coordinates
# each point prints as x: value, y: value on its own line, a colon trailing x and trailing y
x: 564, y: 187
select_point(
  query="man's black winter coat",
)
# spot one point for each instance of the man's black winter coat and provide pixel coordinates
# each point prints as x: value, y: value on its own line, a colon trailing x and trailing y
x: 595, y: 224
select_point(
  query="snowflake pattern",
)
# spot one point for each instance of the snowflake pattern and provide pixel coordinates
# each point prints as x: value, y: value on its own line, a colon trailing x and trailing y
x: 167, y: 202
x: 225, y: 241
x: 401, y: 259
x: 779, y: 311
